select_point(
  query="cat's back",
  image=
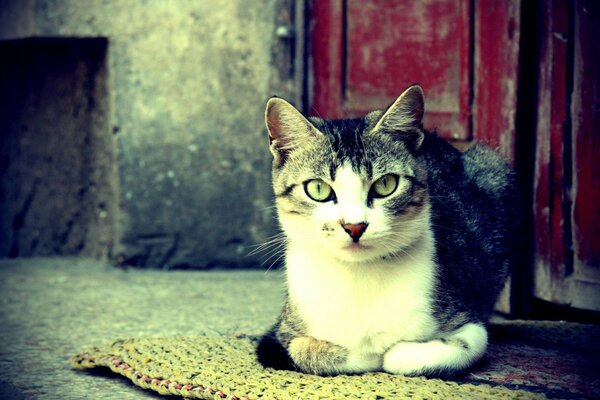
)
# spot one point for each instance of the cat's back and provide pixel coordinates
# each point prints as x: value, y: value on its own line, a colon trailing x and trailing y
x: 478, y: 179
x: 488, y: 170
x: 474, y: 200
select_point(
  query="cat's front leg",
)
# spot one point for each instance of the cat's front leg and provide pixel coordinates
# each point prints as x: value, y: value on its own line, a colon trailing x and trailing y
x: 316, y: 356
x: 449, y: 355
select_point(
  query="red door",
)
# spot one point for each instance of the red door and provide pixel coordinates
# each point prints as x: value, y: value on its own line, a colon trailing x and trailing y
x: 365, y: 53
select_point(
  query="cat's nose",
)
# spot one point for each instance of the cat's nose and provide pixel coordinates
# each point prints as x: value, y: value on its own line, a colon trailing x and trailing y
x: 355, y: 230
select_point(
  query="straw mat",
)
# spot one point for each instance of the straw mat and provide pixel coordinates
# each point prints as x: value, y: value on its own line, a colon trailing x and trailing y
x: 527, y: 360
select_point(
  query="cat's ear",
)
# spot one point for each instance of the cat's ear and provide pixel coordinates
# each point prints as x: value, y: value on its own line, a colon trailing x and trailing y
x: 405, y: 117
x: 287, y: 127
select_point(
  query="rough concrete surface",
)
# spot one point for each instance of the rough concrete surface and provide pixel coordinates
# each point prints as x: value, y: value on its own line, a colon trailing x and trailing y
x: 51, y: 309
x: 186, y: 86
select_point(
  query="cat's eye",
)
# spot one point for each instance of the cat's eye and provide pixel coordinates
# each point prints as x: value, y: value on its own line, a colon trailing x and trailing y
x: 384, y: 186
x: 318, y: 190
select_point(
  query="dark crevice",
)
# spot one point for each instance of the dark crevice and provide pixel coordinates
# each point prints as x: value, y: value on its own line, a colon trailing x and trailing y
x: 471, y: 78
x: 567, y: 161
x: 525, y: 144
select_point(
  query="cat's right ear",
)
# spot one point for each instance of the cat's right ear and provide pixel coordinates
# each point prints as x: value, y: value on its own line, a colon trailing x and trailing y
x: 287, y: 128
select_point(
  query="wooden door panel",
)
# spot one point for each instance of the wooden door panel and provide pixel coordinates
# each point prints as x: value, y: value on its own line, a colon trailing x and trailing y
x: 496, y: 72
x: 393, y: 44
x: 566, y: 204
x: 550, y: 262
x: 586, y: 150
x: 365, y: 53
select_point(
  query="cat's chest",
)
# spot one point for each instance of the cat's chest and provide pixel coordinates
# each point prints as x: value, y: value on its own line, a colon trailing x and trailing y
x: 371, y: 306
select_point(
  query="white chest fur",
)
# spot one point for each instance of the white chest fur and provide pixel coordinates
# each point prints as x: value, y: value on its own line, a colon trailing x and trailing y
x: 368, y: 306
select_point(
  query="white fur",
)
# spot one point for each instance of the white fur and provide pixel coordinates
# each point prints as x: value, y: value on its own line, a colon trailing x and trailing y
x: 415, y: 358
x: 365, y: 307
x: 352, y: 297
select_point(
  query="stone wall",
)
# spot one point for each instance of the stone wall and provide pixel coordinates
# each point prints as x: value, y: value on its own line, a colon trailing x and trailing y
x: 181, y: 111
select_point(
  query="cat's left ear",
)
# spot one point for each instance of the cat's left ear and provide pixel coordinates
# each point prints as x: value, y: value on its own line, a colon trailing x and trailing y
x: 405, y: 117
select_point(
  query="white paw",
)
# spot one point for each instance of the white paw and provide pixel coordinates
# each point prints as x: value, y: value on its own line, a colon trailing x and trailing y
x: 410, y: 358
x: 361, y: 362
x: 454, y: 353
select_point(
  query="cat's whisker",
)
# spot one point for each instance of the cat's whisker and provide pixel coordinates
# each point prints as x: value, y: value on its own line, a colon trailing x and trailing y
x: 271, y: 239
x: 274, y: 262
x: 445, y: 227
x: 265, y: 249
x: 315, y: 111
x: 276, y: 253
x: 273, y: 258
x: 397, y: 251
x: 266, y: 245
x: 274, y: 241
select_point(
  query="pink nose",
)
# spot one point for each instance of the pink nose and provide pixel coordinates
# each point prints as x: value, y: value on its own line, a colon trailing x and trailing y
x: 355, y: 230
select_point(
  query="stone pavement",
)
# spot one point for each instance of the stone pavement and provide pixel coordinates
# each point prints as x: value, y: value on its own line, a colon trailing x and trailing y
x: 52, y: 308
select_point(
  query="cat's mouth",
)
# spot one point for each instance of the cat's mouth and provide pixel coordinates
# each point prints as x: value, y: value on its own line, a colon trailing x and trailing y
x: 356, y: 247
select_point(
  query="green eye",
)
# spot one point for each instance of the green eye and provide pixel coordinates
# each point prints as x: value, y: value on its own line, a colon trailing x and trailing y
x: 318, y: 190
x: 384, y: 186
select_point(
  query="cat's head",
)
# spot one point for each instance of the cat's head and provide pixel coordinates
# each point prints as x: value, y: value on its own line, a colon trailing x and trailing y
x: 355, y: 188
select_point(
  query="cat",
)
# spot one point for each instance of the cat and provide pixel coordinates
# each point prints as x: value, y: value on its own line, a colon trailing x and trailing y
x: 397, y: 244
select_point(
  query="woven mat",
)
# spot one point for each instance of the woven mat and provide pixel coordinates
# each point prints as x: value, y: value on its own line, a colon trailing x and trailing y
x: 527, y: 360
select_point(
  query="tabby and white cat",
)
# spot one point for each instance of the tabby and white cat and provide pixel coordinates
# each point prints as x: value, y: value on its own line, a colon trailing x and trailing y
x: 397, y: 245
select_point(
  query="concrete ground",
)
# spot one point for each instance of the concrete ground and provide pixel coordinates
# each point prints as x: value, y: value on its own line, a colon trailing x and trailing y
x: 50, y: 309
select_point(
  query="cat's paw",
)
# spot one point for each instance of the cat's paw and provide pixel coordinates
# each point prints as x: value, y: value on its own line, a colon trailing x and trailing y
x: 362, y: 362
x: 411, y: 358
x: 447, y: 356
x: 317, y: 356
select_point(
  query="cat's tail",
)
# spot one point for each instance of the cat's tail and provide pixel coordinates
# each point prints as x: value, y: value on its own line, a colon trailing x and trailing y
x: 271, y: 353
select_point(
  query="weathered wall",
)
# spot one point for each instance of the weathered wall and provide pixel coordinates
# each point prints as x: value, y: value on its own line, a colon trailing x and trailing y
x: 187, y: 82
